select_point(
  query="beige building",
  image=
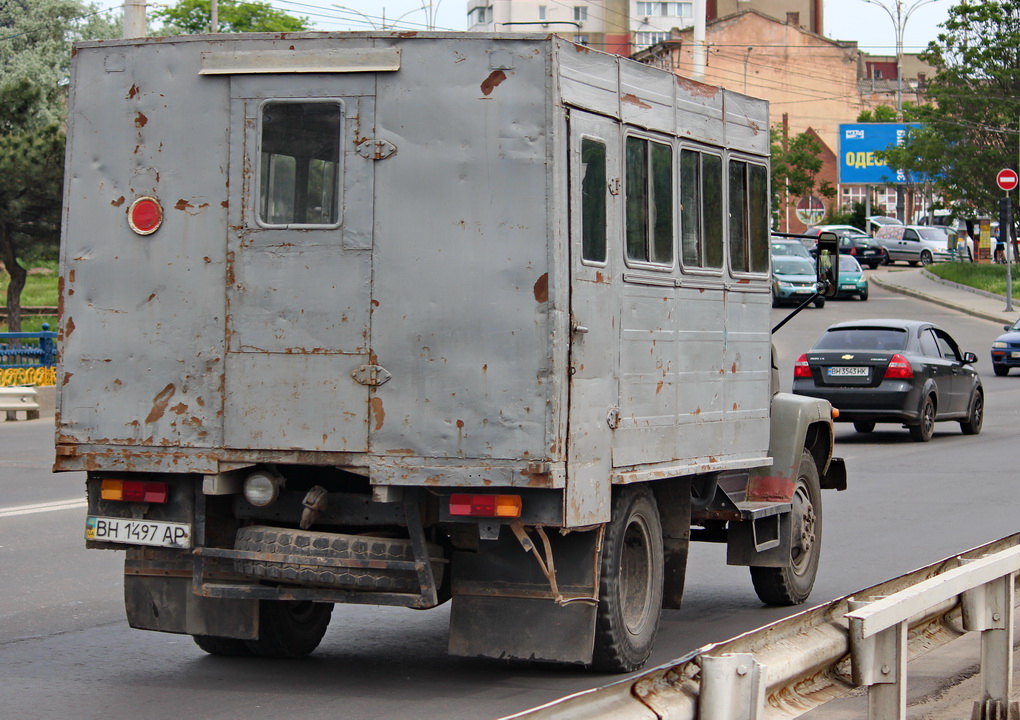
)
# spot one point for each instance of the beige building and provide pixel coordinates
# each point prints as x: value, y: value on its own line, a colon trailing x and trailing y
x: 813, y: 84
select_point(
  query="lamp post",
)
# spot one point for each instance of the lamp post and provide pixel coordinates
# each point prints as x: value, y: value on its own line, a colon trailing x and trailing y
x: 899, y: 19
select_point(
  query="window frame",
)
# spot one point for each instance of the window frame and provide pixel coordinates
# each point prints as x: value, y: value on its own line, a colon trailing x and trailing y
x: 258, y: 162
x: 703, y: 240
x: 604, y: 142
x: 649, y: 240
x: 747, y: 242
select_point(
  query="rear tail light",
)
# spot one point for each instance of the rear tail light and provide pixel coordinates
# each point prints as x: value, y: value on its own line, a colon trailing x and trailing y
x: 485, y: 505
x: 853, y: 251
x: 801, y: 369
x: 899, y: 368
x: 135, y: 491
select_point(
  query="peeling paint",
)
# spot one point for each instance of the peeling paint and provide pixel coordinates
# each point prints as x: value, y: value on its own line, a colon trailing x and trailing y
x: 378, y: 412
x: 541, y: 289
x: 119, y: 201
x: 496, y: 77
x: 635, y: 100
x: 140, y: 120
x: 160, y: 402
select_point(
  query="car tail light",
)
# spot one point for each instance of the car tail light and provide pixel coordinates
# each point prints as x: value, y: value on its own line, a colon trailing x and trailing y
x: 801, y: 369
x: 899, y: 368
x: 135, y: 491
x: 853, y: 251
x: 485, y: 505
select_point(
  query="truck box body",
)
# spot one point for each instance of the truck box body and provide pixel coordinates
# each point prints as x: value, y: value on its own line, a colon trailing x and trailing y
x: 357, y: 318
x: 222, y: 339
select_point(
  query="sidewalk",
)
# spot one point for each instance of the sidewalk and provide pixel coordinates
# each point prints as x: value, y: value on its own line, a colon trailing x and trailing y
x: 921, y: 284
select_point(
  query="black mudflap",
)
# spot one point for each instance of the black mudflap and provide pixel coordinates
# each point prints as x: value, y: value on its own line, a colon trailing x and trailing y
x: 504, y: 605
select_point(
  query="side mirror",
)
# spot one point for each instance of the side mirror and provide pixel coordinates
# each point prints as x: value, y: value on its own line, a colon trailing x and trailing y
x: 827, y: 264
x: 969, y: 358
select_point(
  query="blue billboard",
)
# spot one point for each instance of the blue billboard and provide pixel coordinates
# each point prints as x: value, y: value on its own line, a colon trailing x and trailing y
x: 858, y: 144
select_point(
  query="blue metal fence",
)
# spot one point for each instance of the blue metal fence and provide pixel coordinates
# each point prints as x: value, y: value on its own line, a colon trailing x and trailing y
x: 28, y: 350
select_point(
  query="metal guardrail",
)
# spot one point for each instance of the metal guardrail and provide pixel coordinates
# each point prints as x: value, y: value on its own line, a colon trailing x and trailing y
x: 27, y: 349
x: 785, y: 669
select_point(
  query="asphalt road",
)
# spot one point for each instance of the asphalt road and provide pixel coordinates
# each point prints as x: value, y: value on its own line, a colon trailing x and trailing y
x: 66, y: 651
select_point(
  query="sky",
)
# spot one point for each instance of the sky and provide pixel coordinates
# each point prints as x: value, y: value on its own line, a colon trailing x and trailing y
x: 861, y: 20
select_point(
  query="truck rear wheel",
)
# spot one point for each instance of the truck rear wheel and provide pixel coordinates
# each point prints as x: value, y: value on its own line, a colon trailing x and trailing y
x: 630, y: 590
x: 223, y: 646
x: 792, y: 584
x: 290, y: 628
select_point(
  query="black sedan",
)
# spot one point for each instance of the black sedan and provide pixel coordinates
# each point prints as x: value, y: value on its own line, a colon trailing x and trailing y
x: 1006, y: 349
x: 899, y: 371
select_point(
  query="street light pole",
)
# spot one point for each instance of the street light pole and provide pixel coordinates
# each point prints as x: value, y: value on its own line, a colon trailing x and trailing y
x: 899, y: 20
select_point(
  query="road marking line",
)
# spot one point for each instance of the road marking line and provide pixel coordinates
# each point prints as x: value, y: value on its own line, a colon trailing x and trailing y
x: 42, y: 507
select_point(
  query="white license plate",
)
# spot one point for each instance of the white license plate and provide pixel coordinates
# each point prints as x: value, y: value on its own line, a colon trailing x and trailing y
x: 847, y: 287
x: 1015, y: 354
x: 138, y: 532
x: 848, y: 371
x: 804, y: 291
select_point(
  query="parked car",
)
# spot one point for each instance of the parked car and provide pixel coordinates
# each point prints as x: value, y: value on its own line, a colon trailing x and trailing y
x: 854, y: 242
x: 893, y: 371
x: 914, y: 243
x: 794, y: 279
x: 852, y: 282
x: 1006, y: 349
x: 783, y: 246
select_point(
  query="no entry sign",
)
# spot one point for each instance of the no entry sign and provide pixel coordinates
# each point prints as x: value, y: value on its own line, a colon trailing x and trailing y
x: 1007, y: 179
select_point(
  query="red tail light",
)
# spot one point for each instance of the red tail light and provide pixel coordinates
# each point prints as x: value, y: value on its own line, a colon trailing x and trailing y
x: 135, y: 491
x: 485, y: 505
x: 853, y: 251
x: 899, y: 368
x: 801, y: 369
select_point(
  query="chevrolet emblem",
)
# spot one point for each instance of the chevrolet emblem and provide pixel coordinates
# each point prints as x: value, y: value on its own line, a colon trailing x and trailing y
x: 847, y: 357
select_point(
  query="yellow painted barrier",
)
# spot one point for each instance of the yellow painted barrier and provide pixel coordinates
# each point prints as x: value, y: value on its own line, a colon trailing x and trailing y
x: 44, y: 375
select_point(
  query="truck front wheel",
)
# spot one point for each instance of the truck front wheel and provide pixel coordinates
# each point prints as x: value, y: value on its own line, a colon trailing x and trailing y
x: 792, y: 584
x: 630, y: 590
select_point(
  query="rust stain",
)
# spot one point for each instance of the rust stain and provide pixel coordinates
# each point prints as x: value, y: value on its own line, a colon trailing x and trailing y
x: 71, y: 276
x: 582, y: 49
x: 696, y: 88
x: 658, y: 387
x: 119, y: 201
x: 160, y: 402
x: 378, y: 412
x: 375, y: 303
x: 408, y: 34
x: 635, y: 100
x: 460, y: 423
x: 744, y: 281
x: 769, y: 488
x: 179, y: 409
x: 225, y: 204
x: 140, y: 120
x: 132, y: 92
x: 542, y: 288
x: 755, y: 127
x: 696, y: 412
x: 734, y: 407
x: 496, y: 77
x: 485, y: 369
x: 733, y: 367
x: 433, y: 480
x: 67, y: 378
x: 183, y: 204
x: 68, y: 327
x: 400, y: 451
x: 151, y: 298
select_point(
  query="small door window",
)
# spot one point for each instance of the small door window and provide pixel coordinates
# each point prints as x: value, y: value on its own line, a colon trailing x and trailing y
x: 299, y: 174
x: 593, y: 200
x: 701, y: 224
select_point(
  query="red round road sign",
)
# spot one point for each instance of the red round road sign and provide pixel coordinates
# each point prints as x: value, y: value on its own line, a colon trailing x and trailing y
x: 1007, y: 179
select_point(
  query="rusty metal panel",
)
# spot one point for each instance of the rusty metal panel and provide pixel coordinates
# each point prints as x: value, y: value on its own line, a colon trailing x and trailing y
x: 747, y: 122
x: 588, y: 78
x: 699, y: 111
x: 646, y: 97
x: 464, y: 294
x: 142, y: 320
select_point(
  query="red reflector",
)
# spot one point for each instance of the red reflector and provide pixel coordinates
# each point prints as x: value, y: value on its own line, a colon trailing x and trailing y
x: 899, y: 368
x: 485, y: 505
x: 145, y: 215
x: 801, y: 369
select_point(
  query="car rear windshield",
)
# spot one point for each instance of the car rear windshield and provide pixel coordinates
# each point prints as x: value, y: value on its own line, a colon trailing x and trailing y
x: 863, y: 338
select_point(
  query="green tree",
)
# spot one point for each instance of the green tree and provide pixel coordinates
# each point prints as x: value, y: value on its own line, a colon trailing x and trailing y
x: 795, y: 169
x: 881, y: 114
x: 35, y: 56
x: 193, y: 17
x: 969, y: 130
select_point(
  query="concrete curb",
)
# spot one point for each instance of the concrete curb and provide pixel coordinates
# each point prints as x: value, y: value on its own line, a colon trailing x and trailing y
x: 892, y: 286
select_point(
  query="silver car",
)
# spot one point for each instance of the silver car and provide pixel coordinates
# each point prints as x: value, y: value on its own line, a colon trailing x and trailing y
x: 915, y: 244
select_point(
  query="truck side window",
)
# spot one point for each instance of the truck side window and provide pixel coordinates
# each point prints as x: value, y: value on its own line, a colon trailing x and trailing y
x: 593, y: 200
x: 749, y: 220
x: 700, y: 203
x: 649, y: 196
x: 300, y: 163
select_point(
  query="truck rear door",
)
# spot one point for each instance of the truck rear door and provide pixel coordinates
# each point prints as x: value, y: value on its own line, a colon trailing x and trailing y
x: 299, y: 262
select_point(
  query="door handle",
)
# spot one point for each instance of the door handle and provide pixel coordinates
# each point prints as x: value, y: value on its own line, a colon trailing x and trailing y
x: 580, y: 329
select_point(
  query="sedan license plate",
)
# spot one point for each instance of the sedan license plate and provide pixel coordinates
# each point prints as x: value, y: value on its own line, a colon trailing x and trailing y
x: 841, y: 371
x: 847, y: 287
x: 1015, y: 354
x: 138, y: 532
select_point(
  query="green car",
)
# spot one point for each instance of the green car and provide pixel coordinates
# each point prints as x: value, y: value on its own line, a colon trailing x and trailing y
x: 852, y: 281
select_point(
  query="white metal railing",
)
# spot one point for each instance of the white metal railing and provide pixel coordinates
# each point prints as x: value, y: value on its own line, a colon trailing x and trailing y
x: 785, y: 669
x: 19, y: 399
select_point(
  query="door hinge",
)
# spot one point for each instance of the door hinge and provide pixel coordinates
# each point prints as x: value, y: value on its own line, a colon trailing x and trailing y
x: 373, y: 149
